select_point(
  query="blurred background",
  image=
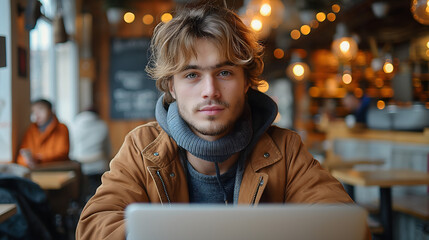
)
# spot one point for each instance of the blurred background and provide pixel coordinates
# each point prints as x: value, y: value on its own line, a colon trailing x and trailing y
x: 91, y: 54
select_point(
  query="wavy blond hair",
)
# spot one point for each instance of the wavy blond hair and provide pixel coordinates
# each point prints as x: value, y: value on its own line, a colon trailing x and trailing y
x: 173, y: 44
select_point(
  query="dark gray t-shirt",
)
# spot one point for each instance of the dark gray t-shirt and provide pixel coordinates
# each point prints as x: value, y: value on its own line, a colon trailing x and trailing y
x: 205, y: 188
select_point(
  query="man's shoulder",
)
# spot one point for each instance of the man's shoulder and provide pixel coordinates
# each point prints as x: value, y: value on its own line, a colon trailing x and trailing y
x: 276, y: 131
x: 149, y: 131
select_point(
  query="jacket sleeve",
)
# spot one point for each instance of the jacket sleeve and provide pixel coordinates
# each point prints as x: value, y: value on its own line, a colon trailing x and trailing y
x: 307, y: 181
x: 24, y: 144
x: 103, y: 215
x: 62, y: 146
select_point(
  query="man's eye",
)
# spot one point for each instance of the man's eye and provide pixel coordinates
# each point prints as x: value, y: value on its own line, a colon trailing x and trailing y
x: 225, y: 73
x: 191, y: 75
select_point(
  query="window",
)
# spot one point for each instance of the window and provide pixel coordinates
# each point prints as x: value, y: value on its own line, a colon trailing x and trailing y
x: 54, y: 67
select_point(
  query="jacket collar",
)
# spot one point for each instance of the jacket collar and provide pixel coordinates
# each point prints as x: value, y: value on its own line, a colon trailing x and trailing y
x: 163, y: 150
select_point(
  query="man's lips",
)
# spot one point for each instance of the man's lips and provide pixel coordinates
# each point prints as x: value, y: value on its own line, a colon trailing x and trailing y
x: 211, y: 110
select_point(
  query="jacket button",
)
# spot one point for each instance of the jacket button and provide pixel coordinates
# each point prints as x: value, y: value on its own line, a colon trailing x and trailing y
x: 266, y: 155
x: 156, y: 154
x: 172, y: 174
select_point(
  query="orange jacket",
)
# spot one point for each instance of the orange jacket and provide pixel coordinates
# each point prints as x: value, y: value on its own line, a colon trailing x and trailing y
x: 48, y: 146
x: 147, y: 168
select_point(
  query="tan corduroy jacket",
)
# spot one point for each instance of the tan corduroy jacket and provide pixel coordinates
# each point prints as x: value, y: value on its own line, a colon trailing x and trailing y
x: 147, y: 168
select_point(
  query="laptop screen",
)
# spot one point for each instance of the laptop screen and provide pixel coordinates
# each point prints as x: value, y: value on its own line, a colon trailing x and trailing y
x: 214, y: 222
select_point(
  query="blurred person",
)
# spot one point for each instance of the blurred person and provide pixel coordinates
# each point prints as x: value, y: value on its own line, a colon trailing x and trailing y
x: 90, y: 146
x: 358, y: 107
x: 46, y: 140
x: 213, y: 141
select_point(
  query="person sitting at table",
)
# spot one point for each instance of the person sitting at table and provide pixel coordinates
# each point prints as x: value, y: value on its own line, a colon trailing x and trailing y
x: 213, y: 141
x: 90, y: 146
x: 46, y: 140
x: 357, y: 106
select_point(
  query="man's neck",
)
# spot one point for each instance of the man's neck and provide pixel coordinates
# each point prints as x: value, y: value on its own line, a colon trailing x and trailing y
x: 208, y: 168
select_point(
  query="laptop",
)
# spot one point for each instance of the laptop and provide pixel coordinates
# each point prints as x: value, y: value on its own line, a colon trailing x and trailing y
x: 219, y: 222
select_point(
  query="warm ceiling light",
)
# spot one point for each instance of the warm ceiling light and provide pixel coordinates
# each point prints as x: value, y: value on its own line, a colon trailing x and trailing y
x: 147, y: 19
x: 265, y: 10
x: 331, y: 17
x: 129, y: 17
x: 347, y: 78
x: 279, y: 53
x: 336, y: 8
x: 295, y: 34
x: 388, y: 67
x: 256, y: 25
x: 420, y: 11
x: 166, y: 17
x: 427, y: 44
x: 298, y: 70
x: 263, y: 86
x: 321, y: 16
x: 305, y: 29
x: 380, y: 104
x: 344, y: 46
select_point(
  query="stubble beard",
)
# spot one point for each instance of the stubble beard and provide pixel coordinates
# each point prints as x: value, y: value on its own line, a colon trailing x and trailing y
x: 215, y: 129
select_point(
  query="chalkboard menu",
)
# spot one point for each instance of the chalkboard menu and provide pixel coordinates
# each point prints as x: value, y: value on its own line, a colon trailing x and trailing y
x: 133, y: 94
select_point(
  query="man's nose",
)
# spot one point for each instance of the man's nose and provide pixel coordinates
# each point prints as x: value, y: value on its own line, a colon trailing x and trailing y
x: 210, y: 88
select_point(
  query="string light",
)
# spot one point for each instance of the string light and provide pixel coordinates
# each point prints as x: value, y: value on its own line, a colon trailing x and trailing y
x: 265, y: 10
x: 331, y: 17
x: 305, y: 29
x: 256, y: 24
x: 321, y: 16
x: 147, y: 19
x: 295, y: 34
x: 166, y: 17
x: 263, y: 86
x: 279, y: 53
x: 381, y: 104
x: 129, y: 17
x: 336, y: 8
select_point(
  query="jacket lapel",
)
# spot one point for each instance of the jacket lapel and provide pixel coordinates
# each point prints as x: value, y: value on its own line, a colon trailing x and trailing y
x: 166, y: 170
x: 253, y: 184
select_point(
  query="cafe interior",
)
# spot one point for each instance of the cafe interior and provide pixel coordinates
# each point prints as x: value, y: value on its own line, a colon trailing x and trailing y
x: 91, y: 56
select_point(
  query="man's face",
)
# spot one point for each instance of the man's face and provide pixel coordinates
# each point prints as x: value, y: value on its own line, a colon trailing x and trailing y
x: 210, y: 92
x: 40, y: 114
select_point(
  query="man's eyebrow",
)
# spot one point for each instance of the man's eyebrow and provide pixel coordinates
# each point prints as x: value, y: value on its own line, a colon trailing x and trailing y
x: 196, y: 67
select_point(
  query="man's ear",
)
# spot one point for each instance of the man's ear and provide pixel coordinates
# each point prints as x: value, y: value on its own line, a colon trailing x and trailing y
x: 171, y: 88
x: 246, y: 88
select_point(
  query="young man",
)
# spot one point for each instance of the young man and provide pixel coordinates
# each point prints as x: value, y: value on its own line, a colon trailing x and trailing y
x: 46, y: 140
x: 213, y: 141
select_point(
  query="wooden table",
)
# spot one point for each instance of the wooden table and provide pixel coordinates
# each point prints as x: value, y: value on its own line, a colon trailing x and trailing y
x: 6, y: 211
x: 53, y: 180
x: 385, y: 179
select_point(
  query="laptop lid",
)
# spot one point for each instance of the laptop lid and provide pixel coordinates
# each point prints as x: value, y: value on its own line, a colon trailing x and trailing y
x: 215, y: 222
